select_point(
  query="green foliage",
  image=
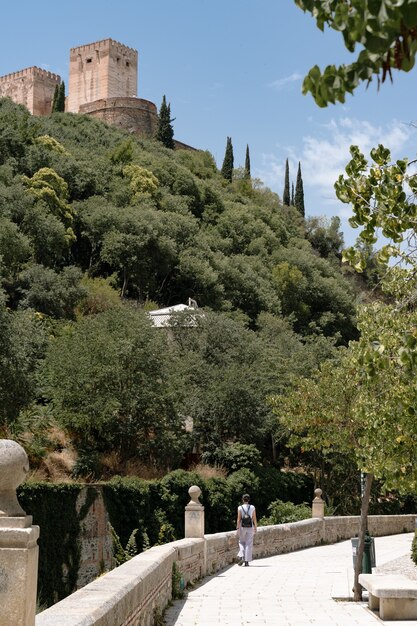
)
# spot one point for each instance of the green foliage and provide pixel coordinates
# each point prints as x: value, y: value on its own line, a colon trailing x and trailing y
x: 22, y: 346
x: 387, y: 36
x: 50, y: 143
x: 227, y: 167
x: 414, y: 549
x: 283, y: 512
x: 53, y: 508
x: 142, y: 182
x: 49, y: 292
x: 233, y: 456
x: 325, y: 236
x: 99, y: 296
x: 177, y: 583
x: 122, y: 555
x: 119, y: 554
x: 115, y: 392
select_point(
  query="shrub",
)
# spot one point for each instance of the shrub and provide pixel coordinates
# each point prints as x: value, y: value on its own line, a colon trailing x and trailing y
x: 282, y: 512
x: 414, y: 549
x: 234, y: 456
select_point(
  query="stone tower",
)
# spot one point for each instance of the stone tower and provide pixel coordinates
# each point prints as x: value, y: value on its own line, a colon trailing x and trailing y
x: 101, y: 70
x: 32, y: 87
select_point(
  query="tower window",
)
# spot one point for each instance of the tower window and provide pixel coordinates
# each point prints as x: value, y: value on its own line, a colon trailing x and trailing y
x: 89, y: 60
x: 127, y: 63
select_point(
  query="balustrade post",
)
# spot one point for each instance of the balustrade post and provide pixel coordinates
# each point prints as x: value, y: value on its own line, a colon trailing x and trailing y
x: 318, y: 504
x: 18, y: 542
x: 194, y: 515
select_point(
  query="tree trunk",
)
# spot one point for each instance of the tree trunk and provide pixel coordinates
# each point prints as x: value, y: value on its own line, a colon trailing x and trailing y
x: 274, y: 449
x: 363, y: 524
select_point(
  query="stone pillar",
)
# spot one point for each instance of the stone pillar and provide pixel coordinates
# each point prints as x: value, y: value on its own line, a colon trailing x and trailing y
x: 194, y: 515
x: 18, y: 542
x: 318, y: 504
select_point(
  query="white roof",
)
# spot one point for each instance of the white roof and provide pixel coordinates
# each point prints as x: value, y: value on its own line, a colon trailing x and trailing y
x: 162, y: 317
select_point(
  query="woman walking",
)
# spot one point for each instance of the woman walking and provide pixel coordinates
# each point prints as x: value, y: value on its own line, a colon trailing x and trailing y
x: 246, y: 526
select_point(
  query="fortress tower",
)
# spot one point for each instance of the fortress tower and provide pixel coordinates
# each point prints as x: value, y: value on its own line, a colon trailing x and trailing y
x: 104, y: 69
x: 32, y: 87
x: 103, y: 83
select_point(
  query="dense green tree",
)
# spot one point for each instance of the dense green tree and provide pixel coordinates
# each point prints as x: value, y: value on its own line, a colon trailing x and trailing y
x: 108, y: 377
x: 15, y: 250
x: 165, y: 131
x: 17, y: 130
x: 49, y: 292
x: 313, y: 292
x: 227, y: 167
x: 299, y: 193
x: 22, y: 344
x: 292, y: 195
x: 286, y: 194
x: 214, y: 359
x: 247, y: 163
x: 385, y: 32
x: 325, y: 236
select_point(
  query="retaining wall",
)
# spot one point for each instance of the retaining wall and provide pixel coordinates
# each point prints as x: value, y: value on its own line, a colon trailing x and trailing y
x: 134, y: 593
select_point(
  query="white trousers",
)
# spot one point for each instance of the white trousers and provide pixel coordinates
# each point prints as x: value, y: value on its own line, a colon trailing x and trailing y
x: 246, y: 543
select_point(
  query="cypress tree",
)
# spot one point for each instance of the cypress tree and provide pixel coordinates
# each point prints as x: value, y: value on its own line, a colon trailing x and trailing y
x: 247, y: 163
x: 165, y: 132
x: 55, y: 99
x: 299, y: 193
x: 60, y: 103
x: 286, y: 195
x: 227, y: 167
x: 292, y: 194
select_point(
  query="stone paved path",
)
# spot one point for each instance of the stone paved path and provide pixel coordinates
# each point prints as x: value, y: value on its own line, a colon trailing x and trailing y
x: 295, y: 589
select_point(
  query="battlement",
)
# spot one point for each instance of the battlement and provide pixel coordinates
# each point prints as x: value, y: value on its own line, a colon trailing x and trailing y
x: 30, y: 71
x: 103, y: 43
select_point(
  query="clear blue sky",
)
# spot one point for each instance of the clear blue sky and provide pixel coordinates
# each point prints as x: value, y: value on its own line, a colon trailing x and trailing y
x: 228, y: 68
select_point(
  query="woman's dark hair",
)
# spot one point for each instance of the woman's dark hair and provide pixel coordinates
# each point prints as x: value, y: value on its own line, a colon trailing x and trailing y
x: 246, y: 497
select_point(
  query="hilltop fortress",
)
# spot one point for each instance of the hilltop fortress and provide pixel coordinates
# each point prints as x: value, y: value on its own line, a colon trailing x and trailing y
x: 102, y: 83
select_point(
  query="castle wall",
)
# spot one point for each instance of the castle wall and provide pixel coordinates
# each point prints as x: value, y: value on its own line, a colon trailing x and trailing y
x: 104, y: 69
x: 32, y: 87
x: 137, y: 116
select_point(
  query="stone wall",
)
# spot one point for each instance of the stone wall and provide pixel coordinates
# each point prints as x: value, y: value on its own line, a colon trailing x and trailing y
x: 136, y: 115
x: 96, y: 545
x: 134, y: 593
x: 32, y: 87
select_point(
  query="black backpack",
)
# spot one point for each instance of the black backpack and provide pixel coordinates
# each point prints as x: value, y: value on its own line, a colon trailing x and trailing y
x: 246, y: 518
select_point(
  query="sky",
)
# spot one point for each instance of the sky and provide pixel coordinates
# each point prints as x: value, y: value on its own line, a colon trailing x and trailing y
x: 230, y: 68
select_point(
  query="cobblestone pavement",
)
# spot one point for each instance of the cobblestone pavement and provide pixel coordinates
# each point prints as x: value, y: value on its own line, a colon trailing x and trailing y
x: 306, y: 587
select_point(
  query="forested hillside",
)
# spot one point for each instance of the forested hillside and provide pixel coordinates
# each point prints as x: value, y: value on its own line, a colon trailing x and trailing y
x: 97, y: 227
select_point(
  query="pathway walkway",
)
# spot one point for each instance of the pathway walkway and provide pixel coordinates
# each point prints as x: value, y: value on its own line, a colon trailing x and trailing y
x: 297, y: 589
